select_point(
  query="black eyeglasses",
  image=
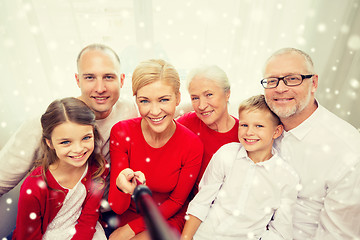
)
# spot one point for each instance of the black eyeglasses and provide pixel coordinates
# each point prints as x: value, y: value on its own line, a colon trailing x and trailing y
x: 290, y: 80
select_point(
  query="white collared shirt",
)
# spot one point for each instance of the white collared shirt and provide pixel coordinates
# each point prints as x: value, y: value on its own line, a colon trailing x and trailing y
x: 238, y: 198
x: 325, y: 152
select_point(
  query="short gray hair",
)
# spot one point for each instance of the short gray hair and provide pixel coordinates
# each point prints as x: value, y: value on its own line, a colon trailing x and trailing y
x: 307, y: 58
x: 210, y: 72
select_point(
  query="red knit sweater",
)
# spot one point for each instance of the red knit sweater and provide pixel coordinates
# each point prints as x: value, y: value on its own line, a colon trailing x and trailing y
x: 38, y: 205
x: 170, y: 171
x: 211, y: 139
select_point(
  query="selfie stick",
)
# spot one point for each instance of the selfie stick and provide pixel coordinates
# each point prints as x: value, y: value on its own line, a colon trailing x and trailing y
x: 155, y: 223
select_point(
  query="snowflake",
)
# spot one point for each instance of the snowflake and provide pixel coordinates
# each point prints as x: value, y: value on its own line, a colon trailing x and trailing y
x: 113, y: 222
x: 28, y: 191
x: 267, y: 210
x: 250, y: 235
x: 9, y: 201
x: 147, y: 160
x: 344, y: 29
x: 34, y: 29
x: 354, y: 42
x: 354, y: 83
x: 41, y: 184
x: 32, y: 216
x: 104, y: 204
x: 321, y: 27
x: 326, y: 148
x: 236, y: 212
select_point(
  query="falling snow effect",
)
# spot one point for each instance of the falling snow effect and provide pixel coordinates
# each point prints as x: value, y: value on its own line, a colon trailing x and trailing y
x: 318, y: 38
x: 32, y: 216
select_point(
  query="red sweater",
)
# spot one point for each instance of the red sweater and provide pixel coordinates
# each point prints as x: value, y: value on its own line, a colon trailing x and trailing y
x: 42, y: 205
x: 211, y: 139
x: 170, y: 171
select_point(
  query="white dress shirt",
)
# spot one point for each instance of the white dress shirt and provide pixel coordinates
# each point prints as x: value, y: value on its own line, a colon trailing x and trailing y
x: 325, y: 152
x: 238, y: 198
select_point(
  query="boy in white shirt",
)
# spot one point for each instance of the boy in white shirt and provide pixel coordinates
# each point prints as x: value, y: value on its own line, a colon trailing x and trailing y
x: 247, y: 191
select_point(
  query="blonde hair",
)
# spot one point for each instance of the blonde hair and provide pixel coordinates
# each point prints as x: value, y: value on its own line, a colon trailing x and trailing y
x: 155, y: 70
x: 258, y: 103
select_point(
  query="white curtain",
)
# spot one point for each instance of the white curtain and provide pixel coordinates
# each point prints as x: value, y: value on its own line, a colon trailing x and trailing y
x: 40, y: 40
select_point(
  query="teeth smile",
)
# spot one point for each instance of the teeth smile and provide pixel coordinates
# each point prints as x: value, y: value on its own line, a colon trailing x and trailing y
x: 157, y: 119
x: 78, y: 157
x: 250, y: 140
x: 100, y: 98
x: 206, y: 113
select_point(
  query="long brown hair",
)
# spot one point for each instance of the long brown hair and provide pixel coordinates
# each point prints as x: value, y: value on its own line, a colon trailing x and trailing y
x: 69, y: 110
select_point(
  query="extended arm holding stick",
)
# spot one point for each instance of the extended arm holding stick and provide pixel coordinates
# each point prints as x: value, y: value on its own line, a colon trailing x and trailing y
x: 156, y: 224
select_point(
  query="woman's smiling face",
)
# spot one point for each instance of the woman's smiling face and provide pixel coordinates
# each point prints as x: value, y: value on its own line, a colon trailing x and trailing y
x: 157, y: 103
x: 209, y: 100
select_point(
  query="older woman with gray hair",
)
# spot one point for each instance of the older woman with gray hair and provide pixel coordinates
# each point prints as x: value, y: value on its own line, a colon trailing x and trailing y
x: 209, y: 90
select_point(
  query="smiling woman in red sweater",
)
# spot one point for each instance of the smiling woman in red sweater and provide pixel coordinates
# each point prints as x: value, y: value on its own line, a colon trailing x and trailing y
x: 153, y: 147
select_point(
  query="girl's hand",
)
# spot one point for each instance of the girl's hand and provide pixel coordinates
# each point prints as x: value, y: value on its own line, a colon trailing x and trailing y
x: 126, y: 180
x: 122, y: 233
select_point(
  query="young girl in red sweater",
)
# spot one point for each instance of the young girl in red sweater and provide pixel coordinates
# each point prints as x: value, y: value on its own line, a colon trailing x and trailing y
x: 61, y: 196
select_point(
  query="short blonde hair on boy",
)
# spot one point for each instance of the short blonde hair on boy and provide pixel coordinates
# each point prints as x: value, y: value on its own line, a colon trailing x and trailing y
x: 155, y: 70
x: 258, y: 102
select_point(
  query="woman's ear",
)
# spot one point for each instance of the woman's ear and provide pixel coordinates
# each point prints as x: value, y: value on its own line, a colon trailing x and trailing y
x: 48, y: 142
x: 178, y: 98
x: 278, y: 131
x: 227, y: 94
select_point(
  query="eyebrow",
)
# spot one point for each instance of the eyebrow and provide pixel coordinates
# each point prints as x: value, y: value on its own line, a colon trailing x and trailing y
x: 165, y: 96
x: 283, y: 74
x: 62, y: 139
x: 69, y: 138
x: 90, y: 74
x: 206, y: 91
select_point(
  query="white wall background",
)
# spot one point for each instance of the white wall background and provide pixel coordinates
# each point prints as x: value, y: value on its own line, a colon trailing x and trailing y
x: 40, y: 40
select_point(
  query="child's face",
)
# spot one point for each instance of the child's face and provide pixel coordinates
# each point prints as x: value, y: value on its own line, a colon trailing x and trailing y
x: 73, y: 143
x: 257, y: 131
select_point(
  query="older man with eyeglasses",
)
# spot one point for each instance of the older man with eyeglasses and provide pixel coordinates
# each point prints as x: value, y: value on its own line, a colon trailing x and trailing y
x: 323, y: 149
